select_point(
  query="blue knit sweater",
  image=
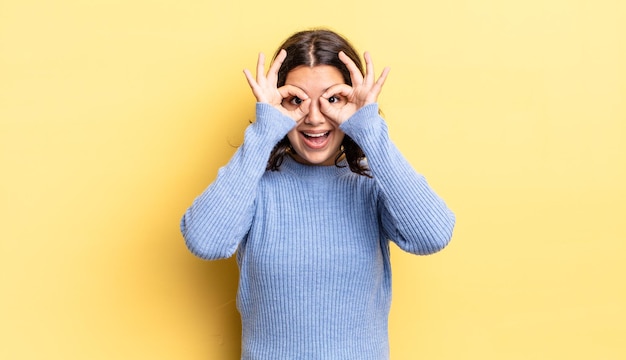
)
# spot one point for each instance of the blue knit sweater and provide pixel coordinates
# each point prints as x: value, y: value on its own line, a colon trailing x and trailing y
x: 312, y: 242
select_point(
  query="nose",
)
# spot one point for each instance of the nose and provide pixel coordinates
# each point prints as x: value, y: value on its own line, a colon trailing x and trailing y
x: 315, y: 116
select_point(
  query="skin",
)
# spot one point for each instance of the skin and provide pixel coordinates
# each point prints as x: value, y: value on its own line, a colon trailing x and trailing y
x: 316, y: 140
x: 318, y: 100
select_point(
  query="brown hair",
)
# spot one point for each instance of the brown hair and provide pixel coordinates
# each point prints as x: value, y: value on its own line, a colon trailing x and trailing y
x: 311, y: 48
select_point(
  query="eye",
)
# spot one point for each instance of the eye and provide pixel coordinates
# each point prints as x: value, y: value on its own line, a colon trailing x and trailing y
x: 333, y: 99
x: 295, y: 101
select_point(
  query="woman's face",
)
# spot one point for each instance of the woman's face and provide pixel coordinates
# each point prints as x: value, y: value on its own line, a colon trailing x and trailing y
x: 316, y: 140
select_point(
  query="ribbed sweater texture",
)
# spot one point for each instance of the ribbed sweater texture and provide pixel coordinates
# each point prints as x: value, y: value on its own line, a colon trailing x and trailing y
x: 312, y: 242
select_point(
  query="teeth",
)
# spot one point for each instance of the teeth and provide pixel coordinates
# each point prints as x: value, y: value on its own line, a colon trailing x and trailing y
x: 315, y: 135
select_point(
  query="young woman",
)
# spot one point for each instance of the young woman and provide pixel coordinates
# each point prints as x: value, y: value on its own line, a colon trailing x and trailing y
x: 309, y: 204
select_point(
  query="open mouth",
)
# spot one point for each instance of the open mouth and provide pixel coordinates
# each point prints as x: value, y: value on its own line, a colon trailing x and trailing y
x: 315, y: 140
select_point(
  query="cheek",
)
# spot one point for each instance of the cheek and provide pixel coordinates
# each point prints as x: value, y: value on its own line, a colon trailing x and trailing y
x: 340, y: 135
x: 292, y: 136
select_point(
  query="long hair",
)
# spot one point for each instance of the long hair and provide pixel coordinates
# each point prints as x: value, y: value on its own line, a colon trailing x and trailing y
x: 311, y: 48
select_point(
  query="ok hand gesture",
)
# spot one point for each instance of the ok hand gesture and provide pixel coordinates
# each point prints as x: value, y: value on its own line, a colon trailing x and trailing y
x: 265, y: 89
x: 341, y: 101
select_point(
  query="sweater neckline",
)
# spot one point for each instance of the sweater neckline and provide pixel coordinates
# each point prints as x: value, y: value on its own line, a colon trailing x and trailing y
x: 292, y: 166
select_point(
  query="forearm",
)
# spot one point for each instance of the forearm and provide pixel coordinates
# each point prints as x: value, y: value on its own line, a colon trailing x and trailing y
x: 220, y: 217
x: 412, y: 214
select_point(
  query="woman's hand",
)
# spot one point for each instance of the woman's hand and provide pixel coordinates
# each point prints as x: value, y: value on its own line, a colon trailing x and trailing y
x: 265, y: 89
x: 341, y: 101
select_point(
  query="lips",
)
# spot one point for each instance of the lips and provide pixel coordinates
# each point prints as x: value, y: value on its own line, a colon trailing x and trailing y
x: 315, y: 140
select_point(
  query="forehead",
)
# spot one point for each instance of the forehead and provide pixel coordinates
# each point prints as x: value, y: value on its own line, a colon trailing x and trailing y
x: 312, y: 78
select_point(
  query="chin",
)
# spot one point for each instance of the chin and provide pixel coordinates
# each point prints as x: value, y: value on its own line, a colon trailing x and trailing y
x: 316, y: 160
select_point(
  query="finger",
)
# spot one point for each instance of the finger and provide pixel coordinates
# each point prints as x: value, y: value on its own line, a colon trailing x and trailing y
x: 355, y: 73
x: 381, y: 81
x: 335, y: 114
x: 326, y: 107
x: 287, y: 91
x: 250, y: 78
x: 369, y: 68
x: 343, y: 90
x: 260, y: 69
x: 272, y: 73
x: 254, y: 86
x: 301, y: 111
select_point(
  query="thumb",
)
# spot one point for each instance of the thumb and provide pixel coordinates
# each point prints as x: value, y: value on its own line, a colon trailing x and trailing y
x: 301, y: 111
x: 333, y: 113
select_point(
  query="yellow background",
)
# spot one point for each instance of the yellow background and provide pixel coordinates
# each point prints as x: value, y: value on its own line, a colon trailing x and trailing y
x: 114, y: 115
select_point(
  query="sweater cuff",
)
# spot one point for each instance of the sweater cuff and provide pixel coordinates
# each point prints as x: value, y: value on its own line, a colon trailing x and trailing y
x: 271, y: 123
x: 365, y: 120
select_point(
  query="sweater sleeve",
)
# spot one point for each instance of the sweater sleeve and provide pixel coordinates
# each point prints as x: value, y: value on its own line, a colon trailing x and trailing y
x: 220, y: 217
x: 412, y: 214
